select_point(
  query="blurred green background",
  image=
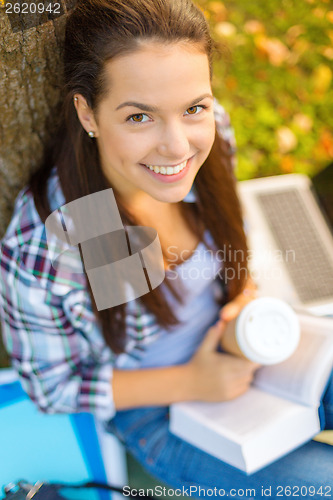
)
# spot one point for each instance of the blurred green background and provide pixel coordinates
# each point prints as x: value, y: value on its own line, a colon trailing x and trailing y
x: 275, y: 80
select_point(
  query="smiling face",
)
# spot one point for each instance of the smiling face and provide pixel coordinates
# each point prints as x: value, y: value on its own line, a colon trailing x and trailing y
x: 156, y: 126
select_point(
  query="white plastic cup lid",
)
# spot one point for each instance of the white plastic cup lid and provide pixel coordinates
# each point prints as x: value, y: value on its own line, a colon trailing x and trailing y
x: 267, y: 330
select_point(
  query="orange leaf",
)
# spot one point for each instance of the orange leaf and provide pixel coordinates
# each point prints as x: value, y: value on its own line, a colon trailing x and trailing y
x: 287, y: 164
x: 275, y: 50
x: 327, y: 52
x: 219, y: 10
x: 326, y: 140
x: 253, y: 27
x: 293, y: 33
x: 329, y: 16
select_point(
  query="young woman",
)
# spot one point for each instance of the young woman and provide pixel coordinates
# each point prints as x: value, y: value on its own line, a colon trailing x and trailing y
x: 138, y: 115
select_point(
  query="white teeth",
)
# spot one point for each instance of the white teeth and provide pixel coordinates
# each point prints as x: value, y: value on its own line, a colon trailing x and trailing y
x: 166, y: 170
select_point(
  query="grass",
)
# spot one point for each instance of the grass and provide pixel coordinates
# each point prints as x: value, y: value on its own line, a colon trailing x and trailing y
x: 276, y: 82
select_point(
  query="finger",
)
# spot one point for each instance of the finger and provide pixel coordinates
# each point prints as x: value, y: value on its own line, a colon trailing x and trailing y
x: 255, y: 366
x: 212, y: 338
x: 233, y: 308
x: 252, y: 367
x: 230, y: 311
x: 238, y: 390
x: 248, y: 379
x: 246, y: 368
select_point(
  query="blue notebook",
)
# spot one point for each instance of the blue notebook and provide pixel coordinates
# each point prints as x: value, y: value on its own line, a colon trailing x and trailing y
x: 37, y: 446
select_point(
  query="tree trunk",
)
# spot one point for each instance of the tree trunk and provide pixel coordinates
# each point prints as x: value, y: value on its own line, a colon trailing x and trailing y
x: 30, y: 68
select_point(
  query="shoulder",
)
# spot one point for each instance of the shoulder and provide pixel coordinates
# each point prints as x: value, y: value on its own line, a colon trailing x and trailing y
x: 25, y: 222
x: 24, y: 248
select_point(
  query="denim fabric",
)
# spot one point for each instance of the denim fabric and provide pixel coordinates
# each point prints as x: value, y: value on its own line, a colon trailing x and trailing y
x: 145, y: 433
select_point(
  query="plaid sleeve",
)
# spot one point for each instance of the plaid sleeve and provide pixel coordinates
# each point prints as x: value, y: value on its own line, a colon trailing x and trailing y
x: 52, y: 338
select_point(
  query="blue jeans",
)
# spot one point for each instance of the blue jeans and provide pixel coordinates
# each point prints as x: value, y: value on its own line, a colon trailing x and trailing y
x: 146, y: 436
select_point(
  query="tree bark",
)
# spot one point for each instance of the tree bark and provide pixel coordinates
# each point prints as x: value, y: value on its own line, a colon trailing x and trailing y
x: 30, y: 67
x: 30, y: 80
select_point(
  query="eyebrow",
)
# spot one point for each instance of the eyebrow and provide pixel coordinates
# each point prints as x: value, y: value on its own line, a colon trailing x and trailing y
x: 154, y: 109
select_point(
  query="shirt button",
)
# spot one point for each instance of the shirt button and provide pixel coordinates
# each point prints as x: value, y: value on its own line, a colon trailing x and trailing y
x: 150, y: 461
x: 142, y: 442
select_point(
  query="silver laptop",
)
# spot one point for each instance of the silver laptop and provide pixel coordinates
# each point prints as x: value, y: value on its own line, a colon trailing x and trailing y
x: 290, y: 240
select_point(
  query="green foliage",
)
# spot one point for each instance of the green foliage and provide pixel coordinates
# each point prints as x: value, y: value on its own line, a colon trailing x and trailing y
x: 277, y: 85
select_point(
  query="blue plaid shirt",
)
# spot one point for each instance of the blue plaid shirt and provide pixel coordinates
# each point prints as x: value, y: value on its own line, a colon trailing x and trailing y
x: 48, y: 326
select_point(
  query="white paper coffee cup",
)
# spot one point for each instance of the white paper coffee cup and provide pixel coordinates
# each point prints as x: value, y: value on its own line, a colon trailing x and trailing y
x: 267, y: 331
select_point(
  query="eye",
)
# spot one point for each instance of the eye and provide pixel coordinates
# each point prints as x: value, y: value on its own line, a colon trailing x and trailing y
x: 138, y: 118
x: 193, y: 110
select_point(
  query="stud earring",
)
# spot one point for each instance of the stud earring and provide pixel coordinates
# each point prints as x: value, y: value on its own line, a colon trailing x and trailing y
x: 76, y: 99
x: 91, y: 134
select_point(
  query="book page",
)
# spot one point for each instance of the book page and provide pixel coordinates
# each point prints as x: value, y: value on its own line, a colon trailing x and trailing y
x: 247, y: 432
x: 302, y: 377
x: 245, y: 416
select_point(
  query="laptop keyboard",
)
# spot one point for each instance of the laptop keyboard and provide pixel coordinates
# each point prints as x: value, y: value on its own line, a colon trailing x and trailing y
x: 310, y: 267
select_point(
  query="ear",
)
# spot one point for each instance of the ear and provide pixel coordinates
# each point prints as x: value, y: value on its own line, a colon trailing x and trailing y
x: 85, y: 114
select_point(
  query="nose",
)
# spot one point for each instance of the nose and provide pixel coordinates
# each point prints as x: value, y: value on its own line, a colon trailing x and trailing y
x: 174, y: 142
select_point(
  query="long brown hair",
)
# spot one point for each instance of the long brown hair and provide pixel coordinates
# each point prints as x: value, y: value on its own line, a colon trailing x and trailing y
x: 96, y: 31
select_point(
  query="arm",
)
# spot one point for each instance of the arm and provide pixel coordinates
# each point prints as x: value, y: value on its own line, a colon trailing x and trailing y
x: 208, y: 376
x: 50, y: 335
x: 65, y: 367
x: 150, y: 387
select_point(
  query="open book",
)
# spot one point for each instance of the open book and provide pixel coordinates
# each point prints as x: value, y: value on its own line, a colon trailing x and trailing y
x: 276, y: 415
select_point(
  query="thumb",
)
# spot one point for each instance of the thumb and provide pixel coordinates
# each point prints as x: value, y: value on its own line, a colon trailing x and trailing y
x: 213, y: 336
x: 230, y: 310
